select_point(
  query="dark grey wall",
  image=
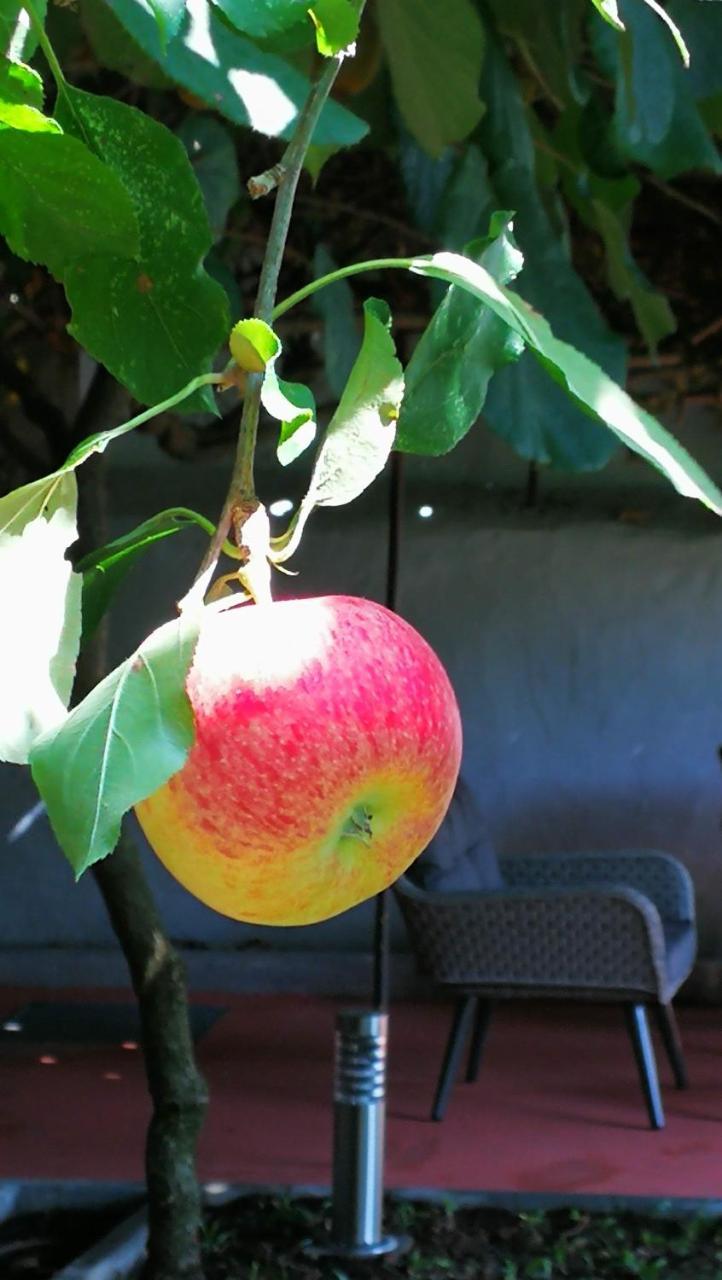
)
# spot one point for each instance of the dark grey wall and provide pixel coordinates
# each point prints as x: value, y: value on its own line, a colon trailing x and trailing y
x: 582, y: 636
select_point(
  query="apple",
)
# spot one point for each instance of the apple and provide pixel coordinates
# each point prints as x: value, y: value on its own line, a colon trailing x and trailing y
x: 327, y: 746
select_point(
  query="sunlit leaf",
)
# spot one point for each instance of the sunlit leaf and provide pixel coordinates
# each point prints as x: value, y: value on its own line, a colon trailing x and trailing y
x: 609, y: 9
x: 581, y: 378
x: 18, y: 38
x: 293, y: 405
x: 253, y: 344
x: 20, y: 84
x: 234, y: 76
x: 59, y: 203
x: 156, y: 319
x: 40, y: 632
x: 360, y: 435
x: 336, y: 23
x: 168, y: 15
x: 117, y: 746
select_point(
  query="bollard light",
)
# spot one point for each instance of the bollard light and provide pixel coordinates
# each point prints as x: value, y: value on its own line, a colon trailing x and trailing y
x: 358, y: 1139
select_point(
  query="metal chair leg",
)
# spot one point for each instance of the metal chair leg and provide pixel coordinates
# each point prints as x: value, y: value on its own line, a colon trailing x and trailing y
x: 669, y: 1032
x: 638, y: 1027
x: 478, y: 1038
x: 458, y: 1035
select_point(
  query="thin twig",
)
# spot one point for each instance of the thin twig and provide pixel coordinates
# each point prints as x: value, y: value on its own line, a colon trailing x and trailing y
x: 708, y: 332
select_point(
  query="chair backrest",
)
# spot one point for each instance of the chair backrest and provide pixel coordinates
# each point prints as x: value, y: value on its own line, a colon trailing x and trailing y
x: 461, y: 857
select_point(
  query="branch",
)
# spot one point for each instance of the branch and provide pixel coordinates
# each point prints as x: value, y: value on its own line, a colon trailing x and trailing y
x: 241, y: 502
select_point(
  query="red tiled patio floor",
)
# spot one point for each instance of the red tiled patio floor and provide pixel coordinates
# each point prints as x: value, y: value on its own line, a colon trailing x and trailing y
x: 556, y: 1109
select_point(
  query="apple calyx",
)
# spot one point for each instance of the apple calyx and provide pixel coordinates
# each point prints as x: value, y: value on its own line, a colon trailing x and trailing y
x: 358, y: 825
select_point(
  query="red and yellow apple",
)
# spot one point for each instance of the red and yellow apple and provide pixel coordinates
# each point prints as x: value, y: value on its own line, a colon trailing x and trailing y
x: 327, y: 746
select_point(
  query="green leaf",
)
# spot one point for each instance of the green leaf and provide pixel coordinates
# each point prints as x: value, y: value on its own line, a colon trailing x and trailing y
x: 262, y: 19
x: 212, y: 153
x: 17, y: 37
x: 584, y: 381
x: 336, y: 23
x: 457, y: 355
x: 168, y: 15
x: 253, y: 344
x: 656, y: 119
x: 255, y: 349
x: 119, y: 744
x: 674, y: 29
x: 435, y: 55
x: 549, y: 39
x: 609, y: 9
x: 702, y: 27
x: 40, y: 633
x: 652, y: 312
x: 461, y: 210
x: 606, y: 205
x: 156, y: 319
x: 59, y: 202
x: 104, y: 569
x: 538, y: 420
x: 335, y: 306
x: 233, y: 76
x: 425, y: 180
x: 116, y: 49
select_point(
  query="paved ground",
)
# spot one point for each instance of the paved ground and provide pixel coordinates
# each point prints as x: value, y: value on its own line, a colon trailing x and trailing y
x: 557, y: 1107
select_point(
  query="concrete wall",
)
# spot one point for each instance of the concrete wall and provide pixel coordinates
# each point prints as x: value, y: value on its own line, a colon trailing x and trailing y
x: 582, y: 636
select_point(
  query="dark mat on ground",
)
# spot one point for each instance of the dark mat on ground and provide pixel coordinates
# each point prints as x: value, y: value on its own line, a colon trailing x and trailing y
x: 57, y: 1022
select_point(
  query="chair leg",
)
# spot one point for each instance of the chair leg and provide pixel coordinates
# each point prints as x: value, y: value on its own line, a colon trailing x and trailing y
x: 478, y: 1038
x: 458, y: 1035
x: 638, y: 1027
x: 669, y: 1032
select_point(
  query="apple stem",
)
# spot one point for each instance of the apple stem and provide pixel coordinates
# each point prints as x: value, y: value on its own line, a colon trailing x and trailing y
x: 241, y: 498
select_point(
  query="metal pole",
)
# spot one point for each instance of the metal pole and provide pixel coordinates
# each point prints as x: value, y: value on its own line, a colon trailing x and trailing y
x: 381, y: 907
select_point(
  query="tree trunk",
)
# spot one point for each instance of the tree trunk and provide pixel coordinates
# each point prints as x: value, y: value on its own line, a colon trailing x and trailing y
x: 176, y: 1087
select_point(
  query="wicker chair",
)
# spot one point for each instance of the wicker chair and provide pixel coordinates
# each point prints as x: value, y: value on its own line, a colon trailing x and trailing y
x: 609, y: 927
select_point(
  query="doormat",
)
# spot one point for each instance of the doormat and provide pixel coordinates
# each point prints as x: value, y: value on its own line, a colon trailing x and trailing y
x: 94, y: 1022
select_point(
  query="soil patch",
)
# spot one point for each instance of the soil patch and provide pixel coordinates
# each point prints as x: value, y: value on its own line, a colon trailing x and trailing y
x: 262, y: 1238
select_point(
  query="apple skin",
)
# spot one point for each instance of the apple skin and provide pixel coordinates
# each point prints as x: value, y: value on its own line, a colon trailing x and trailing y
x: 312, y: 716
